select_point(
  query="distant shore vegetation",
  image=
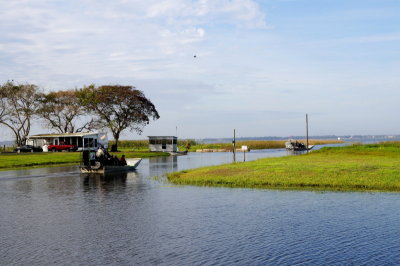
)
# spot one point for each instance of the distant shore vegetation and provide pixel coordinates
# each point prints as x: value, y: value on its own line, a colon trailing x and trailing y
x: 372, y: 167
x: 130, y: 148
x: 193, y: 145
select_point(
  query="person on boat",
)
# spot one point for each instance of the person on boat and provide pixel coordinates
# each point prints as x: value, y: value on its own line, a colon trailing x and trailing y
x: 100, y: 153
x: 122, y: 160
x: 115, y: 160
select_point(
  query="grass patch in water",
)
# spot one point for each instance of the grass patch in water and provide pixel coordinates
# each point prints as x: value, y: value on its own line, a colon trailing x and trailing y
x: 374, y: 167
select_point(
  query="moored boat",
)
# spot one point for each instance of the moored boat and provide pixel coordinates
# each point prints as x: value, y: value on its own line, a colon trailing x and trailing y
x: 294, y: 145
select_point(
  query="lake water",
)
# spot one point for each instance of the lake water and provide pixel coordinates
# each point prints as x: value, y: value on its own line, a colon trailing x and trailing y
x: 56, y: 216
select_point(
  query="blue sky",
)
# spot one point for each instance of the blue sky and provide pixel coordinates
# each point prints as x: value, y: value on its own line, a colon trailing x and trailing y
x: 260, y: 66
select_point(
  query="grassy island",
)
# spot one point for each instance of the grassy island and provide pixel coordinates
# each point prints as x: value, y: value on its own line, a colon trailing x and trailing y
x: 10, y: 161
x: 374, y: 167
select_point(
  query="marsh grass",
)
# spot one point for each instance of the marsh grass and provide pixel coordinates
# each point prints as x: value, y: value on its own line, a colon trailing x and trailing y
x: 258, y: 144
x: 374, y: 167
x: 143, y: 145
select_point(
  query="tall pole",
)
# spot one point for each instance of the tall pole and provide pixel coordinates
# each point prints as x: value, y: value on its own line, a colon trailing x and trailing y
x: 307, y: 131
x: 234, y: 145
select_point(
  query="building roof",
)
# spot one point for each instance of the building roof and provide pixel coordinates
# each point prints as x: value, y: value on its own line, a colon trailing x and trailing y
x: 53, y: 135
x: 162, y: 137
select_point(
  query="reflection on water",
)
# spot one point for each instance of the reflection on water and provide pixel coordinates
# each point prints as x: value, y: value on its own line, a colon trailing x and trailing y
x: 103, y: 181
x: 292, y: 152
x: 159, y: 165
x: 58, y: 216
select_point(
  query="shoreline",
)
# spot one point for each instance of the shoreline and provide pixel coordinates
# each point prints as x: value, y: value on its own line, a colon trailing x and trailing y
x: 371, y: 167
x: 20, y: 161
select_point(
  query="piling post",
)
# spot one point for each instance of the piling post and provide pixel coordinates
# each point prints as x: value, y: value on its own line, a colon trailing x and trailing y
x: 307, y: 132
x: 234, y: 145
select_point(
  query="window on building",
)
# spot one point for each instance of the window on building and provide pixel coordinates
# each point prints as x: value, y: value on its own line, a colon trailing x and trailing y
x: 79, y: 142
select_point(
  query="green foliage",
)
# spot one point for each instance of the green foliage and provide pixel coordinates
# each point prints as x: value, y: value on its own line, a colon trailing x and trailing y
x: 186, y: 144
x: 374, y: 167
x: 137, y: 145
x: 18, y: 105
x: 118, y: 108
x: 60, y: 110
x: 143, y: 145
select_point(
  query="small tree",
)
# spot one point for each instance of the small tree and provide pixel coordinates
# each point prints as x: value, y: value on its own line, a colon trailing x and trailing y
x: 18, y: 107
x: 61, y: 110
x: 118, y: 108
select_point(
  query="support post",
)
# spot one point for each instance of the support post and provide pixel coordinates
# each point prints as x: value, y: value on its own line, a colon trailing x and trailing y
x: 234, y: 145
x: 307, y: 132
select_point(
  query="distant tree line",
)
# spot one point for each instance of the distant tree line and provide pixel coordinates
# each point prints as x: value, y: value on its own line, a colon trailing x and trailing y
x: 112, y: 107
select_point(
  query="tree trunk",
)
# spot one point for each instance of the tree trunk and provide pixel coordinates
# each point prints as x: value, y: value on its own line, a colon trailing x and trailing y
x: 114, y: 147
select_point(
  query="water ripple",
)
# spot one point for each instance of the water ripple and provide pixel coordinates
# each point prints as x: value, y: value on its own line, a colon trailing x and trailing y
x: 63, y: 218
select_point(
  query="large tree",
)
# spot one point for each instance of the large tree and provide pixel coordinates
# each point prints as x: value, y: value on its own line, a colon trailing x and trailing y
x: 118, y: 108
x: 18, y: 107
x: 62, y: 111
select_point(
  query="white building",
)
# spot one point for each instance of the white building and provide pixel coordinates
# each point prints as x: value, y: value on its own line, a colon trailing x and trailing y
x: 88, y: 140
x: 163, y: 143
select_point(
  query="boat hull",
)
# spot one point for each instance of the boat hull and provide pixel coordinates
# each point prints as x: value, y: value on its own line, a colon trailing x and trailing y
x: 176, y: 153
x: 297, y: 146
x: 105, y: 169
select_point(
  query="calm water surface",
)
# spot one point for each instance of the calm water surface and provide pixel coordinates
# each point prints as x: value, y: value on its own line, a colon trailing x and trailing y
x: 56, y: 216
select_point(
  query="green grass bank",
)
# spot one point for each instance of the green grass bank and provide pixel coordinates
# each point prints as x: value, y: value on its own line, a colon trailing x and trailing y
x: 374, y: 167
x: 12, y: 161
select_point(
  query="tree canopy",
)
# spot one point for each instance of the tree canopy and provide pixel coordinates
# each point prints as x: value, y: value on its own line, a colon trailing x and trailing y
x: 114, y: 107
x: 18, y: 107
x: 118, y: 108
x: 61, y: 110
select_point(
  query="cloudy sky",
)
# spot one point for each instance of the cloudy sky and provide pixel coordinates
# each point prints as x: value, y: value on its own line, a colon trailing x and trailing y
x: 260, y: 66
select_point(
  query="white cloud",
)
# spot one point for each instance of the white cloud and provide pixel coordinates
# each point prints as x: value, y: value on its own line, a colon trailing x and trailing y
x: 245, y: 13
x: 241, y: 67
x: 78, y: 37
